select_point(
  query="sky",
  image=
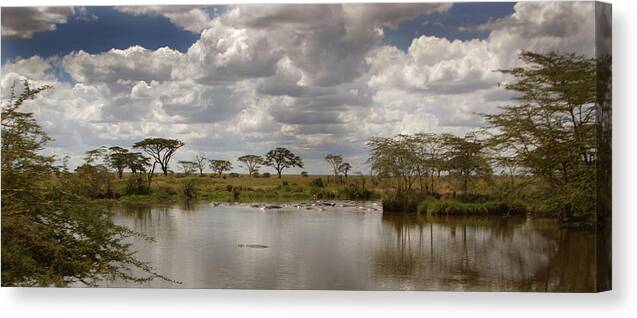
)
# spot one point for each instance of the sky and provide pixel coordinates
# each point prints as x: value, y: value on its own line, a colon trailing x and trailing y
x: 231, y: 80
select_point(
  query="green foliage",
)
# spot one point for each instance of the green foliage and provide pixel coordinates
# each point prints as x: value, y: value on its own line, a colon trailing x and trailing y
x: 403, y: 202
x: 188, y: 167
x: 265, y: 175
x: 458, y: 207
x: 550, y: 130
x: 252, y: 163
x: 51, y: 236
x: 190, y: 189
x: 355, y: 192
x: 136, y: 185
x: 219, y: 166
x: 304, y: 174
x: 161, y: 150
x: 282, y: 158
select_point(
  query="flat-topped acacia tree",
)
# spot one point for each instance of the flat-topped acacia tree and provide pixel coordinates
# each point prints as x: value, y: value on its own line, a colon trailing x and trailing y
x: 281, y: 158
x: 219, y: 166
x: 160, y: 149
x: 252, y: 163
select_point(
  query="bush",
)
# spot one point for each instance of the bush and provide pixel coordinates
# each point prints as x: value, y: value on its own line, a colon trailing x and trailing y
x: 354, y: 192
x: 265, y: 175
x: 457, y: 207
x: 255, y: 174
x: 318, y: 183
x: 403, y: 202
x: 233, y: 175
x: 136, y: 184
x: 190, y: 190
x: 304, y: 174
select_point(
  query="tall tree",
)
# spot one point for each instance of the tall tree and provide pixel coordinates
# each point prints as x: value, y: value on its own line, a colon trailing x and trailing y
x: 466, y: 158
x: 160, y: 149
x: 252, y: 163
x: 550, y: 128
x: 188, y: 166
x: 137, y: 162
x: 282, y: 158
x: 335, y: 162
x: 344, y: 168
x: 394, y: 160
x: 118, y: 159
x: 219, y: 166
x: 50, y: 236
x: 200, y: 163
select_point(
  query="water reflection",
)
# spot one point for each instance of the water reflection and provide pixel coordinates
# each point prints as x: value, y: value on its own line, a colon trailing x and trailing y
x: 356, y: 249
x: 484, y: 253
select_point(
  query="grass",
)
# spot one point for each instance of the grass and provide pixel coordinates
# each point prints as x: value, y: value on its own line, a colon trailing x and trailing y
x: 243, y: 188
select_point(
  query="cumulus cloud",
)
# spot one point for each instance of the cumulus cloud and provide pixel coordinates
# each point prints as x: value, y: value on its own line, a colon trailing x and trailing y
x: 316, y: 78
x: 22, y: 22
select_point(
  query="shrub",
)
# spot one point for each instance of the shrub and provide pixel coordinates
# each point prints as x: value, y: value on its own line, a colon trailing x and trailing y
x: 136, y: 184
x: 233, y: 175
x: 304, y: 174
x: 354, y: 192
x: 265, y: 175
x: 255, y: 174
x: 457, y: 207
x: 190, y: 190
x: 403, y: 202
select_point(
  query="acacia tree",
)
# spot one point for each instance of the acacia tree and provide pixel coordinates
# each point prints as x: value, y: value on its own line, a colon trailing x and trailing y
x: 118, y: 159
x: 252, y: 163
x: 550, y: 129
x: 51, y: 236
x: 344, y: 168
x: 219, y: 166
x: 161, y: 150
x: 394, y: 160
x: 431, y: 151
x: 137, y: 162
x: 188, y: 166
x: 200, y: 163
x: 466, y: 158
x: 282, y: 158
x: 335, y: 162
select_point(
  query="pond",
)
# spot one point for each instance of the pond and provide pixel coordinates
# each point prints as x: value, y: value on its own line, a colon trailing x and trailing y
x: 357, y: 247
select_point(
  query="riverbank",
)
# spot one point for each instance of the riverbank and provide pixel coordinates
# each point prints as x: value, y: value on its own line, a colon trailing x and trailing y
x: 243, y: 189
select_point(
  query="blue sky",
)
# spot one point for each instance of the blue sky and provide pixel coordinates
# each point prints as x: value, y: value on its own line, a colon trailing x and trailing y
x: 114, y: 29
x: 448, y: 24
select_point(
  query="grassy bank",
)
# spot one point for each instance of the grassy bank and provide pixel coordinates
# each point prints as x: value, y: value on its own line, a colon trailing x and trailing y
x: 243, y: 188
x: 457, y: 207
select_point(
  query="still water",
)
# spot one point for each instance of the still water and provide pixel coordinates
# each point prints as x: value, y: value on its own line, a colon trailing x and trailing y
x: 357, y: 248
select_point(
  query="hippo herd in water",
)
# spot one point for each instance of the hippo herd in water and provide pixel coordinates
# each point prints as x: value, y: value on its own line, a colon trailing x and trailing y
x: 320, y: 206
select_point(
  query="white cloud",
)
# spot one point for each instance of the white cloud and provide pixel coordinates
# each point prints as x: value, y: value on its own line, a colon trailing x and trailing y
x: 315, y: 78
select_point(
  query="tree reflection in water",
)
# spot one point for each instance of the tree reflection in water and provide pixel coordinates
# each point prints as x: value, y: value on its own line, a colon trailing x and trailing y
x: 483, y: 253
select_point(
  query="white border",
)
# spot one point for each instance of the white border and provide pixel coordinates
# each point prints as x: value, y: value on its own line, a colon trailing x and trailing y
x: 256, y: 303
